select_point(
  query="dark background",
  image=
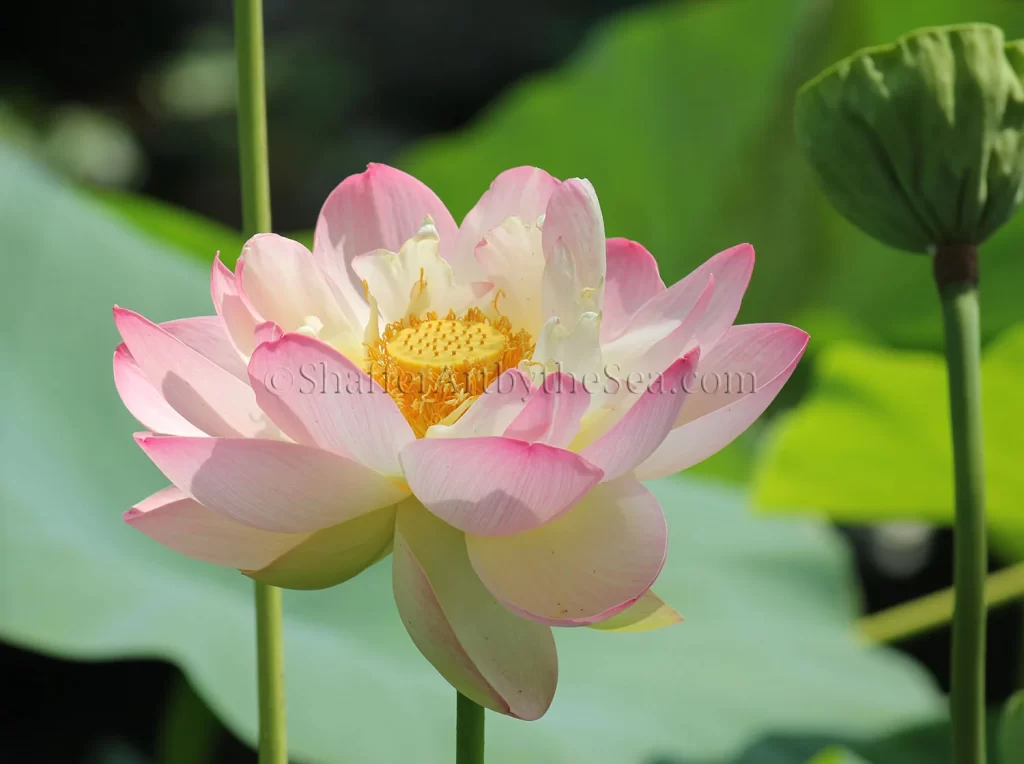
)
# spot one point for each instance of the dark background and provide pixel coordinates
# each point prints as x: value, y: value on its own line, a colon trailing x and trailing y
x: 140, y: 96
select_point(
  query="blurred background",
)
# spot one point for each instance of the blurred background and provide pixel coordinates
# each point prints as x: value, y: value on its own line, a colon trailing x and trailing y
x: 118, y: 181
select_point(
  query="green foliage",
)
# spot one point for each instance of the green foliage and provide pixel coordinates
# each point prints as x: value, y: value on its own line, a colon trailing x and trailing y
x: 920, y: 142
x: 690, y: 144
x: 1011, y: 730
x: 872, y: 441
x: 767, y: 644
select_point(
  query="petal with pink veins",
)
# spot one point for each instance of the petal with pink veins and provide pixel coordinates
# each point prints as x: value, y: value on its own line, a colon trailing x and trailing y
x: 270, y: 484
x: 319, y: 397
x: 573, y: 218
x: 239, y: 317
x: 645, y: 425
x: 212, y: 399
x: 586, y: 566
x: 521, y: 192
x: 495, y: 486
x: 144, y: 401
x: 747, y: 367
x: 492, y: 656
x: 648, y: 613
x: 332, y: 556
x: 381, y: 208
x: 208, y: 336
x: 170, y: 517
x: 553, y: 413
x: 632, y: 280
x: 511, y: 258
x: 493, y: 411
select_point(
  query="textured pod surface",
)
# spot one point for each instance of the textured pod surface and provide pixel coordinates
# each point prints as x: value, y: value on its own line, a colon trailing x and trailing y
x: 921, y: 142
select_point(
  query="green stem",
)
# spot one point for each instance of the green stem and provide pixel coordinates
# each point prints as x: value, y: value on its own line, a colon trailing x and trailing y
x: 932, y: 611
x: 469, y: 731
x: 255, y: 177
x: 252, y: 117
x: 955, y: 271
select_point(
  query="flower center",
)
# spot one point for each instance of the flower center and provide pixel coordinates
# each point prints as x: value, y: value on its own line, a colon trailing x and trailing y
x: 444, y: 343
x: 434, y: 368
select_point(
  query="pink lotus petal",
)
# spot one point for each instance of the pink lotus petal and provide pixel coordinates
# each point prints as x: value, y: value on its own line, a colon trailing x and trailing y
x: 378, y: 209
x: 239, y: 317
x: 731, y: 269
x: 212, y: 399
x: 269, y: 484
x: 750, y: 357
x: 334, y: 555
x: 267, y: 331
x: 495, y: 486
x: 632, y: 280
x: 283, y: 282
x: 171, y: 518
x: 587, y: 565
x: 319, y: 397
x: 144, y: 401
x: 553, y: 413
x: 208, y: 336
x: 499, y: 660
x: 645, y: 425
x: 573, y: 217
x: 521, y: 192
x: 492, y: 412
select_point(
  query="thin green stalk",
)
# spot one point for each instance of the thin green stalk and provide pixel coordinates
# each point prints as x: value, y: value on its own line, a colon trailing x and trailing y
x: 255, y: 177
x: 919, y: 616
x: 469, y: 731
x: 956, y: 275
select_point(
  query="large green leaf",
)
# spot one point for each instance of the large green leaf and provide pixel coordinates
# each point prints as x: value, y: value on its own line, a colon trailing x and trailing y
x: 872, y: 441
x: 681, y: 115
x: 767, y: 643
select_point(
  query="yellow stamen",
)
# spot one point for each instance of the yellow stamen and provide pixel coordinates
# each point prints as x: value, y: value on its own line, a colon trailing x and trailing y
x: 434, y: 367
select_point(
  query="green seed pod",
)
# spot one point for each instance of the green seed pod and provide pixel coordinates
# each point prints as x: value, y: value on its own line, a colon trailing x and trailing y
x: 921, y: 143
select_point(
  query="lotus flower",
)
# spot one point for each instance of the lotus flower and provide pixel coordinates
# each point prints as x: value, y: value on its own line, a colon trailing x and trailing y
x: 481, y: 400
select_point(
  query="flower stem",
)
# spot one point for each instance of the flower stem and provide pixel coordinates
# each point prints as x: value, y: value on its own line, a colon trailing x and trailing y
x: 469, y: 731
x: 956, y: 276
x: 255, y: 177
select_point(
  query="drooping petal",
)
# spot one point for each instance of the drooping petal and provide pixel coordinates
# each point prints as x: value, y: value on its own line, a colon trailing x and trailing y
x: 331, y: 556
x: 645, y: 425
x: 594, y: 561
x: 493, y: 411
x: 747, y: 368
x: 497, y: 659
x: 319, y: 397
x: 238, y: 315
x: 632, y: 280
x: 378, y: 209
x: 208, y: 336
x: 144, y: 401
x: 495, y: 486
x: 212, y: 399
x: 172, y: 518
x: 511, y: 258
x: 553, y: 413
x: 521, y: 192
x: 648, y: 613
x: 284, y: 283
x: 269, y: 484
